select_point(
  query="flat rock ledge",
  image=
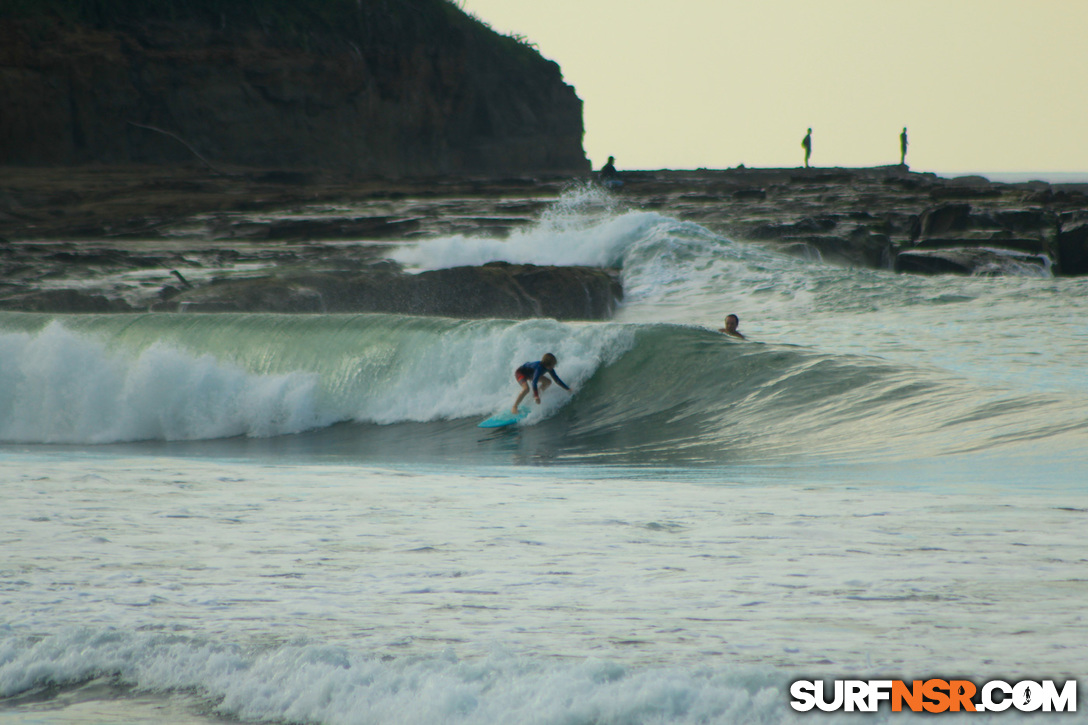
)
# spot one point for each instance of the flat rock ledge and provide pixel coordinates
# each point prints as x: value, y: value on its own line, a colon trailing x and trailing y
x: 495, y: 290
x: 69, y: 224
x: 492, y: 290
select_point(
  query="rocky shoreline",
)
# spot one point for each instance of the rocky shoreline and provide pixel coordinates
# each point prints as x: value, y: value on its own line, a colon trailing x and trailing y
x: 888, y: 217
x: 119, y: 239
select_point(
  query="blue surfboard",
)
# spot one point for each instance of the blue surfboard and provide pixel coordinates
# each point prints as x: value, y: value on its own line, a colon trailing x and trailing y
x: 505, y: 418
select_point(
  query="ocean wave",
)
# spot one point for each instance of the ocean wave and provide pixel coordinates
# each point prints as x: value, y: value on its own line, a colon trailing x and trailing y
x: 60, y: 387
x: 103, y: 379
x: 334, y: 684
x: 657, y: 255
x: 650, y: 393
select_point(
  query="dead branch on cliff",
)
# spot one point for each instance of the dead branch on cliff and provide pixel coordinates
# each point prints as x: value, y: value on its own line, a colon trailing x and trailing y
x: 184, y: 143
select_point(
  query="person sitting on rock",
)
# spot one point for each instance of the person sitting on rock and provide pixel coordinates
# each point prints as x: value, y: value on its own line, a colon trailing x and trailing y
x: 609, y: 177
x: 534, y: 372
x: 731, y: 322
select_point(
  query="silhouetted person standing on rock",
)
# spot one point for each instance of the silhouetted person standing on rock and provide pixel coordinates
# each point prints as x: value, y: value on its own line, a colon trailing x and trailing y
x: 903, y: 147
x: 806, y: 144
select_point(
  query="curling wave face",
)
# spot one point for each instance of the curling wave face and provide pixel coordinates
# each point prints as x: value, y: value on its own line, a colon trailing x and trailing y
x: 101, y: 379
x: 645, y: 394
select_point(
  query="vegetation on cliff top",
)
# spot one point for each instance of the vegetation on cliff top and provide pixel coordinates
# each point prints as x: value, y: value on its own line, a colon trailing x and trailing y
x: 311, y: 24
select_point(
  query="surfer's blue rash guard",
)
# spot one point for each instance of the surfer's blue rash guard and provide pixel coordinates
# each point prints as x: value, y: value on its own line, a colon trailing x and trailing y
x: 537, y: 369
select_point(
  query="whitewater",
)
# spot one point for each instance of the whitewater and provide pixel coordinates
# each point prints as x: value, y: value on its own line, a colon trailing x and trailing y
x: 294, y: 518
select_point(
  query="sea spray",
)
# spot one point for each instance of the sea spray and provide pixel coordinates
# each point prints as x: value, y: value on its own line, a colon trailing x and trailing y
x: 661, y: 259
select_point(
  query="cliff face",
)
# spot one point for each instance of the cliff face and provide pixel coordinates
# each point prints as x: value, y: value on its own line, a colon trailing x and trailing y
x: 413, y: 88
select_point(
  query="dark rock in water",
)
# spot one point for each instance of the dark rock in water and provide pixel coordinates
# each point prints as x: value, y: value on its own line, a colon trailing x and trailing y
x: 756, y: 194
x: 378, y: 227
x: 1025, y: 220
x: 965, y: 187
x: 819, y: 176
x: 61, y: 301
x: 786, y: 230
x: 1072, y: 250
x: 493, y: 290
x: 970, y: 261
x: 1031, y: 246
x: 942, y: 219
x: 972, y: 181
x: 802, y: 250
x: 565, y: 293
x: 864, y: 249
x: 904, y: 182
x: 261, y: 294
x: 874, y: 250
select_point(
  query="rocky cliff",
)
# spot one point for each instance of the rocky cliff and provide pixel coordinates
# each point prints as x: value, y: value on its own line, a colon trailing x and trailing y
x: 373, y: 87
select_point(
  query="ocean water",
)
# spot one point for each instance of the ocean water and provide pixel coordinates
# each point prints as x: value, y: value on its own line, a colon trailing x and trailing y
x: 294, y: 519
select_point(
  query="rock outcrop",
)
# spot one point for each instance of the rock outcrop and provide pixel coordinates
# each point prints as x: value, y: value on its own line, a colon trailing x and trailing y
x: 61, y: 300
x: 493, y: 290
x: 977, y: 261
x: 371, y: 87
x: 885, y: 217
x: 120, y: 233
x: 290, y: 278
x: 1072, y: 245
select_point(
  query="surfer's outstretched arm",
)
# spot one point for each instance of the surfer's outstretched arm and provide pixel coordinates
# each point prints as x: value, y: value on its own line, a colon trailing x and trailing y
x: 555, y: 376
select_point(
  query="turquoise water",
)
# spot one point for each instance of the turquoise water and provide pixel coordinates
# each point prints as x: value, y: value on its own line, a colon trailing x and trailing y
x: 296, y: 518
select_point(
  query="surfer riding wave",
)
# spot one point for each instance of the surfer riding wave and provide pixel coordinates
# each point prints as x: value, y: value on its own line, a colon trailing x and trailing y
x: 532, y: 373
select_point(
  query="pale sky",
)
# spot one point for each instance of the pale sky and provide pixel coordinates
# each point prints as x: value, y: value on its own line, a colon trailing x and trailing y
x: 982, y: 85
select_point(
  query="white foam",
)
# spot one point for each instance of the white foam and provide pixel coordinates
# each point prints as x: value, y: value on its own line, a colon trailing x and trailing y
x: 333, y: 593
x: 661, y: 258
x: 589, y: 242
x: 60, y: 387
x: 335, y: 685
